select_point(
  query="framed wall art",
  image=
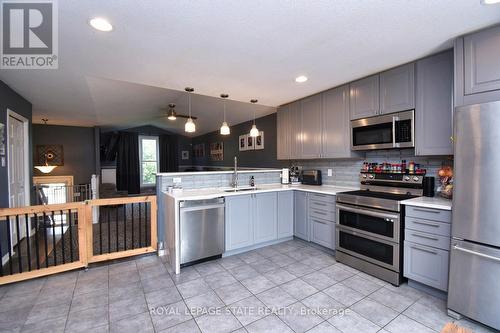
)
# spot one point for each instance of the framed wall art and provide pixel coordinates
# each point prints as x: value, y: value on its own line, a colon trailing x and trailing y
x: 242, y: 142
x: 259, y: 141
x: 217, y: 151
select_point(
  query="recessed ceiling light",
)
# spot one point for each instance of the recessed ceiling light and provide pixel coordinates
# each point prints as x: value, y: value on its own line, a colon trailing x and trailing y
x: 100, y: 24
x: 490, y: 2
x: 301, y: 79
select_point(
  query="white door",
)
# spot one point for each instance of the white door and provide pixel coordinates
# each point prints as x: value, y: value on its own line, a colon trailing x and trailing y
x: 17, y: 172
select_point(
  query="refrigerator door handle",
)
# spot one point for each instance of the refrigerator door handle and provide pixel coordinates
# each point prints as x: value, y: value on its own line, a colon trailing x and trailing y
x: 456, y: 247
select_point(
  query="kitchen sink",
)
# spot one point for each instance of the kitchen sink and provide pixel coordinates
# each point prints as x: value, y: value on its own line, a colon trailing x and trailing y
x: 241, y: 189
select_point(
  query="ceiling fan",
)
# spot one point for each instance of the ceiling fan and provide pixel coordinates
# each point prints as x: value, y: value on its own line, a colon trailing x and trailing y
x: 172, y: 115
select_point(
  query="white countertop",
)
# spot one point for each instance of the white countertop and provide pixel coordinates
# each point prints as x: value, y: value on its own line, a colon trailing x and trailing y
x: 197, y: 173
x: 210, y: 193
x: 427, y: 202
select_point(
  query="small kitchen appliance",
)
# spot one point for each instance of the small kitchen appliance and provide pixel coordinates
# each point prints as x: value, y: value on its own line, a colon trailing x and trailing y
x: 311, y: 177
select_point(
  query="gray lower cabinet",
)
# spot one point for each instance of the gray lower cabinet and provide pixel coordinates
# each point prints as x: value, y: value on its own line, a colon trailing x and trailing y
x: 427, y: 246
x: 285, y: 214
x: 265, y: 217
x: 397, y: 89
x: 323, y: 232
x: 364, y: 97
x: 477, y: 67
x: 434, y: 105
x: 239, y: 222
x: 321, y: 215
x: 311, y: 127
x: 301, y: 225
x: 426, y: 265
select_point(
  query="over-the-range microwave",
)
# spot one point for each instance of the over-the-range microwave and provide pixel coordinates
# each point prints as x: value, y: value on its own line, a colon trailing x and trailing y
x: 394, y: 130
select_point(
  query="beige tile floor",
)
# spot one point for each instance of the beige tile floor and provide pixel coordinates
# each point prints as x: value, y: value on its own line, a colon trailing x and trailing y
x: 288, y: 287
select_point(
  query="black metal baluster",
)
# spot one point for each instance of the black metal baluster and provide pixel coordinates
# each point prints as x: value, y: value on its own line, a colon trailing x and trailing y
x: 146, y: 223
x: 9, y: 244
x: 19, y: 254
x: 37, y: 245
x: 133, y: 243
x: 54, y: 239
x: 109, y: 230
x: 100, y: 231
x: 28, y: 240
x: 116, y: 224
x: 62, y: 238
x: 140, y: 227
x: 45, y: 239
x: 125, y: 227
x: 70, y: 236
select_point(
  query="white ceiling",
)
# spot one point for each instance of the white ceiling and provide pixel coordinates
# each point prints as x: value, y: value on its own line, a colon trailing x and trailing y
x: 248, y: 49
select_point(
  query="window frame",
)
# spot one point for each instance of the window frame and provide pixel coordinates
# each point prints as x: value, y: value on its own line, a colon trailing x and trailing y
x: 141, y: 161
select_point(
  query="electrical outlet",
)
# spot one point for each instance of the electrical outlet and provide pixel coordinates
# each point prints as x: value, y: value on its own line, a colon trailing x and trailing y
x: 330, y: 172
x: 177, y: 180
x: 3, y: 162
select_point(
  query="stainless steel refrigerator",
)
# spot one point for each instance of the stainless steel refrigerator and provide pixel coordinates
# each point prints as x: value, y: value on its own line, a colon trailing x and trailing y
x: 474, y: 279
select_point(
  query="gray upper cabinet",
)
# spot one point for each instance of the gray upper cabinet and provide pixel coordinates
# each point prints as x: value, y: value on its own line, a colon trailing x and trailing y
x: 364, y: 97
x: 434, y: 105
x: 295, y: 136
x: 283, y: 133
x: 397, y: 89
x: 477, y: 67
x: 336, y: 138
x: 311, y: 127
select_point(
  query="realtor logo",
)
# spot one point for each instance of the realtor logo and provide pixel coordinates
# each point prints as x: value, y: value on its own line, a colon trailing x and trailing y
x: 29, y: 35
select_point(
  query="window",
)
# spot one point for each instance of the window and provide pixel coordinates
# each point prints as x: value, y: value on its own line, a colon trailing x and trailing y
x: 148, y: 155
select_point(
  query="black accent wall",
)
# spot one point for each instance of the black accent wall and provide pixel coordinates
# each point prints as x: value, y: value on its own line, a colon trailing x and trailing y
x: 265, y: 158
x: 78, y: 146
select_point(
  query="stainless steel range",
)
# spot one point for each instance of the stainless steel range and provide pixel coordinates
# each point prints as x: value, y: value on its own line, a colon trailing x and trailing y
x: 370, y: 224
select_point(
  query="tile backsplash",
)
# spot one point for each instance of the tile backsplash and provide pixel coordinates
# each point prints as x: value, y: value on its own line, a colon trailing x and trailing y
x: 346, y: 172
x: 216, y: 179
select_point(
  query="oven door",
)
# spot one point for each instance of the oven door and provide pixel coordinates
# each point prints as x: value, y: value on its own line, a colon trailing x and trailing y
x: 374, y: 250
x: 370, y: 222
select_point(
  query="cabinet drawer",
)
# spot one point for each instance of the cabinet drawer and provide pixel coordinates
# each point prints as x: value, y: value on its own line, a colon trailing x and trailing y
x: 323, y: 233
x: 423, y: 238
x: 321, y: 205
x: 321, y: 198
x: 432, y: 227
x: 426, y: 265
x: 429, y: 213
x: 322, y: 214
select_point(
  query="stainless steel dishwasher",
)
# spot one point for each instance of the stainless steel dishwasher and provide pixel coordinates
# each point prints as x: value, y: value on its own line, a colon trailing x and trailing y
x: 201, y: 230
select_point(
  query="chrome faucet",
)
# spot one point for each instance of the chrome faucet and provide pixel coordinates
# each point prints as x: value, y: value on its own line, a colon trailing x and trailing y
x: 235, y: 174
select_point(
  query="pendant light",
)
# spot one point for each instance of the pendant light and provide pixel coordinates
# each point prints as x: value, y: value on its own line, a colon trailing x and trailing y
x: 172, y: 115
x: 224, y: 129
x: 254, y: 132
x: 189, y: 127
x: 46, y: 168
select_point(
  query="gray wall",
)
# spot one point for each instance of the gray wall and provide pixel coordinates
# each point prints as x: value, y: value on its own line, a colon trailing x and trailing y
x: 15, y: 102
x: 79, y: 150
x: 265, y: 158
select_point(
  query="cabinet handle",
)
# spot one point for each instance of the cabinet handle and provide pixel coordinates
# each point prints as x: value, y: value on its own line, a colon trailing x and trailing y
x: 426, y: 223
x: 427, y: 210
x: 423, y: 249
x: 318, y: 221
x: 427, y: 237
x: 319, y: 203
x: 321, y: 213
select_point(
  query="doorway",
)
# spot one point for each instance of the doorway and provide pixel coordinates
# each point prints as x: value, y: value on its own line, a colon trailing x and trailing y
x: 18, y: 169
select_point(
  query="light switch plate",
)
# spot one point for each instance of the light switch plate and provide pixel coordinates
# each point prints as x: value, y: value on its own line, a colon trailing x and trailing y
x: 3, y: 162
x: 330, y: 172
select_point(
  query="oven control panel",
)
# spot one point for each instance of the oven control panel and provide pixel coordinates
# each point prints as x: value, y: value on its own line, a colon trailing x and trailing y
x: 397, y: 179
